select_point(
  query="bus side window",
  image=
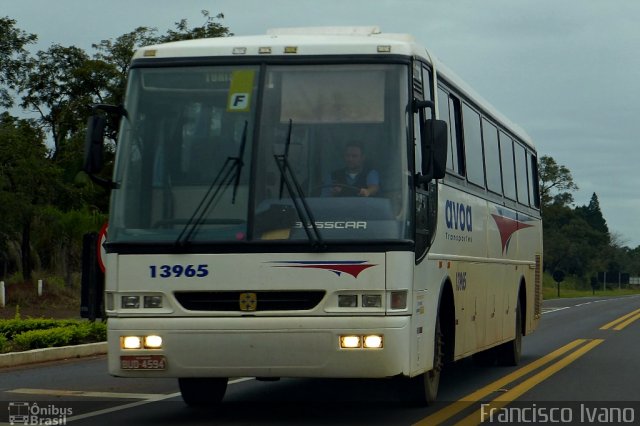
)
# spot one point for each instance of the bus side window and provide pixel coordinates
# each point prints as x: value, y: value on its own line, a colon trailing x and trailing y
x: 455, y: 132
x: 443, y: 114
x: 492, y: 157
x: 521, y: 174
x: 449, y: 111
x: 508, y: 171
x: 473, y: 145
x: 534, y: 191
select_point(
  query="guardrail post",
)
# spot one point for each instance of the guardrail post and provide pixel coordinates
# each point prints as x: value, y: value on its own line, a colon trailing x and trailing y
x: 3, y: 299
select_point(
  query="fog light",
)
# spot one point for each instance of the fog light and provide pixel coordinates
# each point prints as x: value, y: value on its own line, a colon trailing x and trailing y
x: 349, y: 342
x: 347, y: 301
x: 399, y: 299
x: 130, y: 302
x: 371, y: 301
x: 153, y: 342
x: 373, y: 341
x: 131, y: 342
x: 153, y: 301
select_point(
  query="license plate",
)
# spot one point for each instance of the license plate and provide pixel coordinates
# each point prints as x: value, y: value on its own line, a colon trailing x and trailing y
x: 143, y: 362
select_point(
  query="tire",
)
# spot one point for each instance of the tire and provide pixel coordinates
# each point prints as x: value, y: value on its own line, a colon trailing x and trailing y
x: 201, y: 392
x: 423, y: 389
x: 509, y: 353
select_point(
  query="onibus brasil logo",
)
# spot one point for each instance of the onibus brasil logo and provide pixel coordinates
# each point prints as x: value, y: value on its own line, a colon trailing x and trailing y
x: 27, y: 413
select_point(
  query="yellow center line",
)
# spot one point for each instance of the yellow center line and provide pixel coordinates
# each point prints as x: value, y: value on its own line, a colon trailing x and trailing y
x: 626, y: 323
x: 621, y: 319
x: 513, y: 394
x: 458, y: 406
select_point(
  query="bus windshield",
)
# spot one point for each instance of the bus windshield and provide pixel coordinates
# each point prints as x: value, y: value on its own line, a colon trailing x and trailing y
x: 201, y: 152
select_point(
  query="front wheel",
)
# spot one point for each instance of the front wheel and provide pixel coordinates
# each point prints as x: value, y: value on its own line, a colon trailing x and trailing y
x: 423, y: 389
x: 431, y: 378
x: 202, y: 391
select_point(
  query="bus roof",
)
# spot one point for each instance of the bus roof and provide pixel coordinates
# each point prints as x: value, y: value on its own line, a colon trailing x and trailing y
x: 307, y: 41
x: 317, y: 41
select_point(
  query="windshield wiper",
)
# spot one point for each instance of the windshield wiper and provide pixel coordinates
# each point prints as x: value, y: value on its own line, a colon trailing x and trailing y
x: 298, y: 199
x: 230, y: 172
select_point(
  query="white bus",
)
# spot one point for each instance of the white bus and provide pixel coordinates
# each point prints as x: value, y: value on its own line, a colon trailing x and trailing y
x: 246, y: 241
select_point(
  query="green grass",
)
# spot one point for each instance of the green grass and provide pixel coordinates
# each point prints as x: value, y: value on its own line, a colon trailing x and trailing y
x: 573, y: 287
x: 552, y: 293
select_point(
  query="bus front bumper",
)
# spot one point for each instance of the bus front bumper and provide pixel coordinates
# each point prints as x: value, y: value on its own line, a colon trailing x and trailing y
x: 260, y: 347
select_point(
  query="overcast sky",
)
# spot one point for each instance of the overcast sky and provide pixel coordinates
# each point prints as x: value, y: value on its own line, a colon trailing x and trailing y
x: 565, y: 70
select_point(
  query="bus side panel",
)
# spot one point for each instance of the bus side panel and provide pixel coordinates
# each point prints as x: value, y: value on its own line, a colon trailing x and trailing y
x: 488, y: 250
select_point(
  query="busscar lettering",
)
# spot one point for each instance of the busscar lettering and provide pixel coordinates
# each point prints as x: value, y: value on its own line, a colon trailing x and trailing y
x: 351, y: 224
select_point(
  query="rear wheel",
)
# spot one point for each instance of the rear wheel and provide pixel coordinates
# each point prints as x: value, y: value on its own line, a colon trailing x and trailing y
x: 202, y: 391
x: 509, y: 353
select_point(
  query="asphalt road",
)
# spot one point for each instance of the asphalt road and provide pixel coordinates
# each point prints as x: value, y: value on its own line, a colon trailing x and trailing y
x: 581, y: 367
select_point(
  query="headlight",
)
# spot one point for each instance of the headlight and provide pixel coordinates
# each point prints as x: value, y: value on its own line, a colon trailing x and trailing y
x: 368, y: 341
x: 131, y: 342
x: 137, y: 301
x: 153, y: 301
x: 153, y: 342
x: 348, y: 300
x: 349, y: 342
x: 130, y: 302
x: 373, y: 341
x: 371, y: 301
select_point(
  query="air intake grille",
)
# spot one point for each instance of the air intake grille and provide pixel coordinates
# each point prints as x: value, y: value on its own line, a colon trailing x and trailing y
x: 538, y: 287
x: 230, y: 301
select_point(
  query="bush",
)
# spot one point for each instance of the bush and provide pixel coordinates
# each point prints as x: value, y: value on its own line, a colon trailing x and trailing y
x: 13, y: 327
x: 35, y: 339
x: 35, y: 333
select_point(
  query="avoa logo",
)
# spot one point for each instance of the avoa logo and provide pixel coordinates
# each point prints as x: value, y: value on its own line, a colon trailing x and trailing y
x: 458, y: 216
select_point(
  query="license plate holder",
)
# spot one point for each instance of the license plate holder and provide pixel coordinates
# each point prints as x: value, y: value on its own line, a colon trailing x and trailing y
x: 143, y: 362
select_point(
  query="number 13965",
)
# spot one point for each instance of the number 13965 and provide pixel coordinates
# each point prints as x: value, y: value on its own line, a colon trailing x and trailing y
x: 177, y: 271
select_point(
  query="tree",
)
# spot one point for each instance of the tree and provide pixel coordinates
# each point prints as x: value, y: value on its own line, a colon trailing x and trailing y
x: 210, y: 28
x: 12, y: 58
x: 118, y: 53
x: 27, y: 182
x: 570, y: 243
x: 58, y: 238
x: 61, y: 84
x: 555, y: 178
x: 42, y: 189
x: 593, y: 215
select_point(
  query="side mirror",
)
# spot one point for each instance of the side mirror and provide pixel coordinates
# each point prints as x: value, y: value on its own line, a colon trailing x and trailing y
x: 434, y: 144
x: 94, y: 144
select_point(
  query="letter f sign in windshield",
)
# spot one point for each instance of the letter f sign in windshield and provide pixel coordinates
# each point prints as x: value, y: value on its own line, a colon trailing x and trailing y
x: 239, y: 102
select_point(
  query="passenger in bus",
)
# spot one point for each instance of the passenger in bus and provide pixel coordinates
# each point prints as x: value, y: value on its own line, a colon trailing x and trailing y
x: 355, y: 179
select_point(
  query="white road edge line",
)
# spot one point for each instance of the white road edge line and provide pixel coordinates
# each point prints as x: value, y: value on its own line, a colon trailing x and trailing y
x: 138, y: 403
x: 60, y: 392
x: 555, y: 310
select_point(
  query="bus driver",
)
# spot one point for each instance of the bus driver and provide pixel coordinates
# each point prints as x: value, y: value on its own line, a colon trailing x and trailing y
x: 355, y: 179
